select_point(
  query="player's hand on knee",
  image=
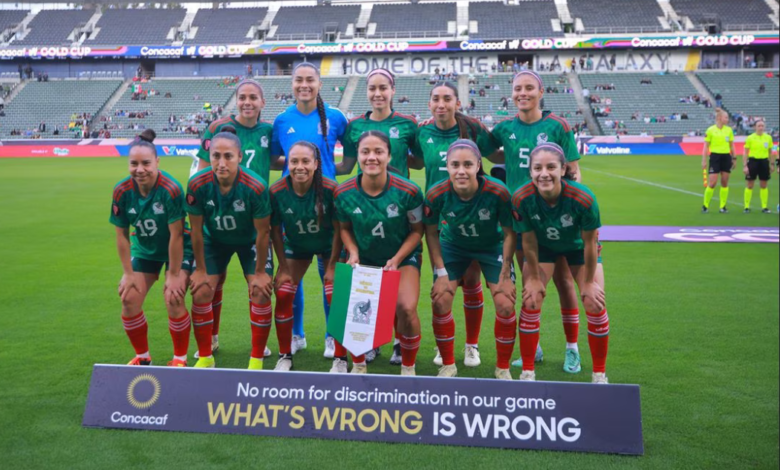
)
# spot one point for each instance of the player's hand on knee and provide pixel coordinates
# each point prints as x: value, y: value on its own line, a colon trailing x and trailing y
x: 282, y: 277
x: 507, y: 288
x: 128, y: 284
x: 261, y: 285
x: 593, y: 297
x: 200, y: 280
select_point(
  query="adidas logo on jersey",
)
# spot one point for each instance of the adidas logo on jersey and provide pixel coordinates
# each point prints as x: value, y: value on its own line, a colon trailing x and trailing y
x: 288, y: 211
x: 210, y: 203
x: 132, y: 211
x: 451, y: 214
x: 536, y: 217
x: 357, y: 211
x: 291, y: 131
x: 512, y: 137
x: 430, y: 140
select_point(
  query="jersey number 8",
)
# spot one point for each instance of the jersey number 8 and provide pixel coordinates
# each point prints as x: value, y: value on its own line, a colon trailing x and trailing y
x: 553, y: 233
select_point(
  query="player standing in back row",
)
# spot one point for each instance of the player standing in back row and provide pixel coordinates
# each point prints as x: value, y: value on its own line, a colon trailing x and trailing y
x: 719, y: 145
x: 519, y: 137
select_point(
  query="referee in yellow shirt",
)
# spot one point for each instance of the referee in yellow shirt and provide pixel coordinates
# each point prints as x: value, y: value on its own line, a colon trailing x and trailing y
x: 755, y: 162
x: 719, y: 145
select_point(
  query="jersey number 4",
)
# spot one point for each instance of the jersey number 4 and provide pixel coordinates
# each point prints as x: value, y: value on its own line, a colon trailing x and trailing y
x: 379, y: 230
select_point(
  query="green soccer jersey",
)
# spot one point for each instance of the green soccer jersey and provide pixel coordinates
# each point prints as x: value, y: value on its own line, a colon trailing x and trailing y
x: 149, y: 216
x: 229, y: 219
x: 432, y: 143
x: 298, y: 215
x: 255, y: 144
x: 474, y: 224
x: 519, y: 139
x: 399, y: 127
x: 381, y: 223
x: 557, y: 228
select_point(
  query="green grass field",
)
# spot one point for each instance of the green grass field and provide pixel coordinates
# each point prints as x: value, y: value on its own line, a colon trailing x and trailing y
x: 695, y: 325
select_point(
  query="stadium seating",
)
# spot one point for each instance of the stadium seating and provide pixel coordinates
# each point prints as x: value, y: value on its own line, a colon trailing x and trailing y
x: 52, y: 27
x: 53, y: 103
x: 661, y: 98
x: 187, y: 99
x: 9, y: 18
x: 498, y: 21
x: 128, y: 27
x: 623, y: 16
x: 308, y: 22
x: 421, y: 18
x: 283, y: 86
x: 740, y: 93
x: 225, y: 25
x: 417, y: 89
x: 728, y: 11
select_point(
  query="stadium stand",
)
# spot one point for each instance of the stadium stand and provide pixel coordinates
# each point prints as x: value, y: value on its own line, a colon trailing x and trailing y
x: 52, y: 27
x: 416, y: 89
x: 495, y: 20
x: 10, y: 18
x: 275, y: 87
x: 740, y: 92
x: 130, y: 27
x: 54, y: 103
x: 225, y: 25
x: 309, y: 22
x: 186, y: 103
x: 657, y: 101
x: 400, y: 20
x: 729, y: 12
x: 622, y: 16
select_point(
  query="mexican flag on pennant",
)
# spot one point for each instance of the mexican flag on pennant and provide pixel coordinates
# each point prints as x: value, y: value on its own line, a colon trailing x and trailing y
x: 363, y: 307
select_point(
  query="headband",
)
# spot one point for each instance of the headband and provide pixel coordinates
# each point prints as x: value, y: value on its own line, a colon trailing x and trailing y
x: 249, y: 81
x: 549, y: 146
x: 464, y: 144
x: 384, y: 73
x: 531, y: 73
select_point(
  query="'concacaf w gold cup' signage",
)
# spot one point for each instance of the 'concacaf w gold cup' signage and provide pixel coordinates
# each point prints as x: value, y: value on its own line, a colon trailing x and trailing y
x: 380, y: 408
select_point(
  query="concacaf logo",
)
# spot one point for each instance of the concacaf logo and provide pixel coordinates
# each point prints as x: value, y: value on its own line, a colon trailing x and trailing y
x: 144, y: 402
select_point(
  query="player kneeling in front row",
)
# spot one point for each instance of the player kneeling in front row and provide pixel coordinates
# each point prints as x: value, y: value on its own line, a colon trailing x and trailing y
x: 152, y: 202
x: 472, y: 209
x: 559, y: 218
x: 230, y: 213
x: 380, y: 219
x: 302, y: 204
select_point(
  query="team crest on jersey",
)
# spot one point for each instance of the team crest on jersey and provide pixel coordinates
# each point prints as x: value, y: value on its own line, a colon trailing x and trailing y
x: 484, y: 214
x: 158, y: 208
x: 392, y: 211
x: 264, y: 141
x: 239, y: 206
x: 541, y: 139
x: 395, y: 133
x: 566, y: 220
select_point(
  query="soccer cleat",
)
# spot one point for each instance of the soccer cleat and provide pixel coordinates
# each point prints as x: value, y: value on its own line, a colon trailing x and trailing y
x: 571, y: 362
x: 765, y: 211
x: 359, y: 368
x: 330, y: 348
x: 704, y: 210
x: 373, y: 354
x: 339, y: 366
x: 503, y: 374
x: 528, y: 376
x: 539, y: 354
x: 267, y: 352
x: 255, y: 363
x: 408, y: 371
x: 448, y: 371
x: 298, y: 343
x: 472, y: 357
x: 140, y: 361
x: 205, y: 363
x: 600, y: 378
x: 746, y: 211
x: 285, y: 363
x: 438, y: 360
x: 723, y: 210
x: 395, y: 359
x: 214, y: 346
x: 177, y: 363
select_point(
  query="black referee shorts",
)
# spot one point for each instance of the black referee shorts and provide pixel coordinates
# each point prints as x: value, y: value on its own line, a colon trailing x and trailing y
x: 758, y: 168
x: 720, y: 163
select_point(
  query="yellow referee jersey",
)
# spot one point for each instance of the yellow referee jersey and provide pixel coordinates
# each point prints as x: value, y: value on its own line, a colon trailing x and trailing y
x: 720, y: 139
x: 759, y: 146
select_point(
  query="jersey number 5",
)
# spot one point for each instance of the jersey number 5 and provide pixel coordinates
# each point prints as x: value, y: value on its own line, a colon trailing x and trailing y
x: 525, y: 159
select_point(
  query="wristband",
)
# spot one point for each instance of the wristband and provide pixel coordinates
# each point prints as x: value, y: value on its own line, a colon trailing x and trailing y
x: 440, y: 272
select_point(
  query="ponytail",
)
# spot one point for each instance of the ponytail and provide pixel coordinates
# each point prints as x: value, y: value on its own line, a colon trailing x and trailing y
x: 323, y: 119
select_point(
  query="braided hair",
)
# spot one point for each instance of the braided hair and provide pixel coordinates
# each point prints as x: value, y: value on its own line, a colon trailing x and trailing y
x: 317, y: 181
x: 146, y: 140
x: 468, y: 128
x: 320, y: 104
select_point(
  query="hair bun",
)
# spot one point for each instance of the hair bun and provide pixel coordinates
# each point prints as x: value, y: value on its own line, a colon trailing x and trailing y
x: 147, y: 135
x: 229, y: 129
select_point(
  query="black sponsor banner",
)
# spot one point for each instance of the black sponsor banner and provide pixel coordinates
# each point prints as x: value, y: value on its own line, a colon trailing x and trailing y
x: 465, y: 412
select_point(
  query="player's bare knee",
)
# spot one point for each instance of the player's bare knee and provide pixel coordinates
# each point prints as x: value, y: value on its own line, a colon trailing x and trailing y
x: 442, y: 305
x: 504, y: 306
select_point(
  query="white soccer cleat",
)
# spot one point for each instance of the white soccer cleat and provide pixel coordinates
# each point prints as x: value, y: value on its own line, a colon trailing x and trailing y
x: 408, y: 371
x: 330, y: 348
x: 438, y: 360
x: 503, y: 374
x: 396, y: 359
x: 298, y: 343
x: 214, y: 346
x: 359, y: 368
x: 267, y: 352
x: 472, y: 357
x: 448, y: 371
x: 339, y: 366
x: 599, y: 378
x: 528, y: 376
x: 285, y: 363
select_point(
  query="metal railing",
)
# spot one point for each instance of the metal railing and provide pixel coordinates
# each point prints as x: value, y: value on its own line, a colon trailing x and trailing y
x: 296, y: 37
x: 411, y: 34
x: 624, y: 30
